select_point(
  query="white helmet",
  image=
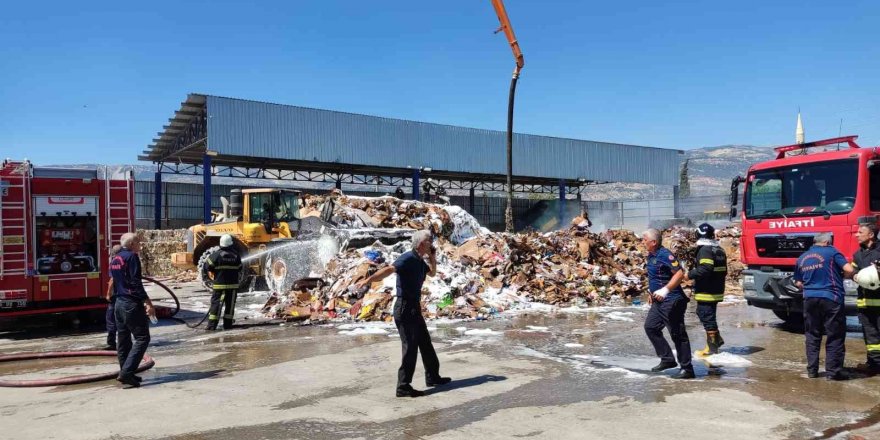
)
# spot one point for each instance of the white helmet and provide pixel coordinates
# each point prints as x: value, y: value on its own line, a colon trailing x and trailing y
x: 868, y: 278
x: 226, y: 241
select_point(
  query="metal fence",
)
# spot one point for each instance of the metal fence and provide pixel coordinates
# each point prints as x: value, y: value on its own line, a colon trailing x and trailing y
x: 182, y: 207
x: 637, y: 214
x: 182, y: 204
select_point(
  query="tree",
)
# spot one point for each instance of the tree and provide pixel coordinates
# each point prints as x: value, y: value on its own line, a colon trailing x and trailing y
x: 684, y: 186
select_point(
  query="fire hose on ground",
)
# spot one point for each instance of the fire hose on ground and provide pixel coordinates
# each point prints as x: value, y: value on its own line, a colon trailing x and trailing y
x: 146, y: 363
x: 173, y: 314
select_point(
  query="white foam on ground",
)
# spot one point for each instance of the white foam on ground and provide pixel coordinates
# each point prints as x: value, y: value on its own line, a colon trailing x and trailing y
x: 364, y: 331
x: 483, y: 332
x: 620, y: 316
x: 537, y: 328
x: 525, y: 351
x: 573, y: 345
x: 461, y: 329
x: 726, y: 360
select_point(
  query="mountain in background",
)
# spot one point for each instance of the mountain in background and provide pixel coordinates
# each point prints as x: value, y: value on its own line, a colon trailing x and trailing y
x: 711, y: 169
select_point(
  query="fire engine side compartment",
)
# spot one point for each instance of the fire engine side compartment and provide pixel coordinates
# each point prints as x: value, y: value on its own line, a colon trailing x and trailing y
x: 84, y: 285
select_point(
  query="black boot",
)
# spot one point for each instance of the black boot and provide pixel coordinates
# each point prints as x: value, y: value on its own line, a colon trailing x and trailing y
x: 433, y: 382
x: 409, y: 391
x: 685, y: 373
x: 212, y: 325
x: 663, y: 365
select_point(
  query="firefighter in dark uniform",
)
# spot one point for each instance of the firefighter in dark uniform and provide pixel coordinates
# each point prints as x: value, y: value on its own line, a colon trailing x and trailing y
x: 225, y: 265
x: 709, y: 273
x: 668, y: 305
x: 868, y: 302
x: 819, y: 272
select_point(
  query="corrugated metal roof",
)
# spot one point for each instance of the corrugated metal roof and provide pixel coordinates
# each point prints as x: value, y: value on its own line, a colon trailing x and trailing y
x: 245, y: 128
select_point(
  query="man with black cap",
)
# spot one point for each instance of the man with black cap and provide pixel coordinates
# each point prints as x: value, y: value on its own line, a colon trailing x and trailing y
x: 225, y: 265
x: 709, y: 273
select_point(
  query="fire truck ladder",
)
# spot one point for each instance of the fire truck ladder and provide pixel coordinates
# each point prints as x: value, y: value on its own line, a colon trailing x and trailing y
x: 119, y: 199
x: 13, y: 218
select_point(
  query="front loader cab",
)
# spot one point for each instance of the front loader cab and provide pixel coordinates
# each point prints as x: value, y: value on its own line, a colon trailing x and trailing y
x: 271, y: 208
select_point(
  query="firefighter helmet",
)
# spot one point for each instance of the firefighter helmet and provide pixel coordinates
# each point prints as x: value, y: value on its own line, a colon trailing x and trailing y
x: 868, y: 278
x: 226, y: 241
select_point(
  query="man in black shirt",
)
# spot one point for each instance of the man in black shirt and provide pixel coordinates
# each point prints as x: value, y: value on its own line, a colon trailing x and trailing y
x: 132, y: 308
x: 411, y: 268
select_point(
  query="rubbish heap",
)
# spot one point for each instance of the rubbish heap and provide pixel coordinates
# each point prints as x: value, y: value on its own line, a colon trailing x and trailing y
x: 487, y: 274
x: 156, y: 248
x: 682, y: 242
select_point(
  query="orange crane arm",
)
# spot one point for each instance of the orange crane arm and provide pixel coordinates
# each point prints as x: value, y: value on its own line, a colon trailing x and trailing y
x: 508, y: 31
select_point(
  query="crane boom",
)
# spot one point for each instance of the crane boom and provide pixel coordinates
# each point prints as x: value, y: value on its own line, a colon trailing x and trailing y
x: 508, y: 31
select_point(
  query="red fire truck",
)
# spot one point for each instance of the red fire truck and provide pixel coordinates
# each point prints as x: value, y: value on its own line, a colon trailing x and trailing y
x: 57, y: 226
x: 831, y: 185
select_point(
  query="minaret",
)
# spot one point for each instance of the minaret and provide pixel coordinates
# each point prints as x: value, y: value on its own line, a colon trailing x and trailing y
x: 799, y: 131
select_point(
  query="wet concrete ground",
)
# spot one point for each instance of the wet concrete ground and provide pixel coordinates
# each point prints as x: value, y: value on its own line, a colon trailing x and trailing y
x: 539, y: 375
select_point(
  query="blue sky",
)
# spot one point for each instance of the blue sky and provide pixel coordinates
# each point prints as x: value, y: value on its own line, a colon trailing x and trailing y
x: 92, y: 82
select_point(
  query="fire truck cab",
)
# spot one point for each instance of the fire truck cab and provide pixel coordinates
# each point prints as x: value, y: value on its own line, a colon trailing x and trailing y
x: 832, y: 186
x: 57, y: 227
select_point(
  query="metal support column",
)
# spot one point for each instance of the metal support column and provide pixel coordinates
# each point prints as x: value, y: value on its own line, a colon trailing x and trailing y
x: 473, y: 202
x: 206, y: 189
x: 561, y: 202
x: 417, y: 174
x: 675, y: 202
x: 157, y: 206
x: 339, y: 184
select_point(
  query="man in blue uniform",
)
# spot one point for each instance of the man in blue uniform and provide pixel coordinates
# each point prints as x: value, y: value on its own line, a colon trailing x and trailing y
x: 110, y: 316
x: 819, y: 272
x: 131, y: 309
x: 668, y: 305
x: 411, y: 268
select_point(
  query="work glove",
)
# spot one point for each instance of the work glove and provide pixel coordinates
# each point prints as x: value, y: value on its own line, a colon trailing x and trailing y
x: 660, y: 294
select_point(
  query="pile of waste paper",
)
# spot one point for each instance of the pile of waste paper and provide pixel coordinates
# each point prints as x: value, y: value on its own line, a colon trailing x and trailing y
x: 353, y: 212
x: 156, y: 249
x: 486, y: 274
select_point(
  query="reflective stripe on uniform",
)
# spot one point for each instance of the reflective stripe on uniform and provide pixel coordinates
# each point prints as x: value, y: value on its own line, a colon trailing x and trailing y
x: 709, y: 297
x: 212, y: 317
x: 707, y: 261
x: 224, y: 286
x: 227, y: 268
x: 873, y: 347
x: 721, y: 269
x: 867, y: 302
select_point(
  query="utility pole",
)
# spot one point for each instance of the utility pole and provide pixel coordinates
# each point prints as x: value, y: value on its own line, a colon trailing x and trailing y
x: 520, y: 62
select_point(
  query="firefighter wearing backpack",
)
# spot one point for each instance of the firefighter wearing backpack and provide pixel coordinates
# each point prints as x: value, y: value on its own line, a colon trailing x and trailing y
x: 225, y: 265
x: 709, y: 273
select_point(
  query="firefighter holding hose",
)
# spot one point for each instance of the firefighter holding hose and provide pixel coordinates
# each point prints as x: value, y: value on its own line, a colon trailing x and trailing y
x: 225, y: 266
